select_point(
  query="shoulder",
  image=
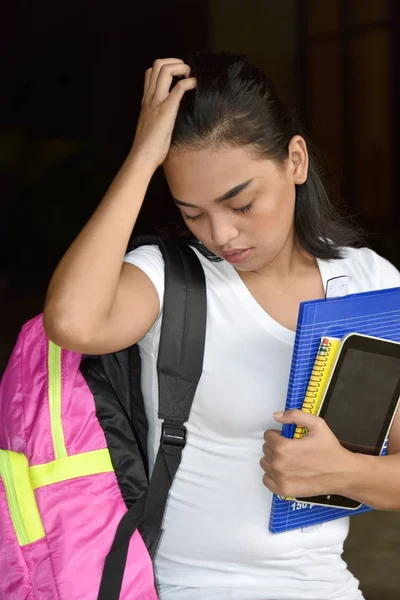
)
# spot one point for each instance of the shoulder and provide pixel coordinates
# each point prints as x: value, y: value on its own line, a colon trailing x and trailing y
x: 145, y: 254
x: 149, y: 259
x: 367, y: 269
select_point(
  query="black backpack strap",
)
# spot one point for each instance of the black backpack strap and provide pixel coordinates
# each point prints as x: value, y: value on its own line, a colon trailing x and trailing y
x: 114, y: 565
x: 180, y: 364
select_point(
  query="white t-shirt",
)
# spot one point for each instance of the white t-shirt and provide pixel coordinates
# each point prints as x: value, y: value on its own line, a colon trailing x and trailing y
x: 216, y: 544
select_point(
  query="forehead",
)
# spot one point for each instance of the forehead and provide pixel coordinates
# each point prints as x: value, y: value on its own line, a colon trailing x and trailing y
x: 200, y: 175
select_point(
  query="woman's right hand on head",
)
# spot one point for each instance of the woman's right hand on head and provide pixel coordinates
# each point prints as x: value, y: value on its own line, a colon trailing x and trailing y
x: 160, y: 108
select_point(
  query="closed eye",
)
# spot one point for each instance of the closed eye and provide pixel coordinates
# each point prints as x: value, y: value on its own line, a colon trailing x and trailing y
x: 244, y: 209
x: 188, y: 218
x: 241, y: 211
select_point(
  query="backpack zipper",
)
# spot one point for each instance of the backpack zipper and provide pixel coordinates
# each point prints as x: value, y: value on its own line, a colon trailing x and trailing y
x: 54, y: 374
x: 12, y: 498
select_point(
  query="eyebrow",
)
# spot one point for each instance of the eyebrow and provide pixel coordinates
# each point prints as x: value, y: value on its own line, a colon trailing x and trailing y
x: 227, y: 196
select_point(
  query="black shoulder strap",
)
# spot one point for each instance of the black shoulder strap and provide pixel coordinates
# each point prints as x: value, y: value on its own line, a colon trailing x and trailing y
x: 180, y: 364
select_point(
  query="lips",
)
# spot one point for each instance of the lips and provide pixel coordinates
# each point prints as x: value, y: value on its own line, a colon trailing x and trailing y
x: 237, y: 255
x: 233, y: 252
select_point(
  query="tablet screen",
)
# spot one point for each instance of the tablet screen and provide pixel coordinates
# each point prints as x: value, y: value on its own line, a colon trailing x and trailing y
x: 361, y: 398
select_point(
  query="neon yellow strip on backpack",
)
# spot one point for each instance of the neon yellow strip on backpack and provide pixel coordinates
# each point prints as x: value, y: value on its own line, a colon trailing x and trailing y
x: 20, y: 497
x: 76, y: 465
x: 54, y: 374
x: 20, y: 480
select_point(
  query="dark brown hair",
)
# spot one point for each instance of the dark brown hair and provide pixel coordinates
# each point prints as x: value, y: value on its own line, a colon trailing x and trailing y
x: 235, y: 104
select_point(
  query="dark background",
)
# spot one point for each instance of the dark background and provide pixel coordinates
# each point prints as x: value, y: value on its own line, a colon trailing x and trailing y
x: 72, y: 83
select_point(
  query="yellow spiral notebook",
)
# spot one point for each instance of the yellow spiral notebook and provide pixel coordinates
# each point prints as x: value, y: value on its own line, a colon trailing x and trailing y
x: 325, y: 359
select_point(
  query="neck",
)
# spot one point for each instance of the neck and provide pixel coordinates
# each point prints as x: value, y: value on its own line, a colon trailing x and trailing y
x: 290, y: 261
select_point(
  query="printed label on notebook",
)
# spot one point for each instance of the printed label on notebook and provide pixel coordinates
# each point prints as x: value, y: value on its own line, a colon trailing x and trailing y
x: 337, y: 287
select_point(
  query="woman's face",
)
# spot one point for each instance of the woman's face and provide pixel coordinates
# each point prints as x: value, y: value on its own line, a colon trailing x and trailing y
x: 239, y: 207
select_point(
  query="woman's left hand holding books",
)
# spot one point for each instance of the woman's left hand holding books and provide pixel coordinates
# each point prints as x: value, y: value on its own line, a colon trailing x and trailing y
x: 315, y: 465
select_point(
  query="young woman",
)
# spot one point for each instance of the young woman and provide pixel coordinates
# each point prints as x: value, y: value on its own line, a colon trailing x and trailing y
x: 240, y: 172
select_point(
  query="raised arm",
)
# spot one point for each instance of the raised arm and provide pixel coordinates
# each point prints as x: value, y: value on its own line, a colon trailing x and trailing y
x: 96, y: 303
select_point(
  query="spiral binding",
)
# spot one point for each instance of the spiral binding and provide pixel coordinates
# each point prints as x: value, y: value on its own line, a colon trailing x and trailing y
x: 314, y: 385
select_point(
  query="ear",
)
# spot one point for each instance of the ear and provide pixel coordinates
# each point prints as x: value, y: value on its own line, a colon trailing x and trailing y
x: 298, y: 158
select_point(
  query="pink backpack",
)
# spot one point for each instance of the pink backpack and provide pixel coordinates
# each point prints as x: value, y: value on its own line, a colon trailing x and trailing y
x: 78, y: 517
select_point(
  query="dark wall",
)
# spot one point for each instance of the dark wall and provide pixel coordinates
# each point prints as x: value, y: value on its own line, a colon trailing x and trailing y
x: 73, y: 77
x: 72, y: 97
x: 72, y: 86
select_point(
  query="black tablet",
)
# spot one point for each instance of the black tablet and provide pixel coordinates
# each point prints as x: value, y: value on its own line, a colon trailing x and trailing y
x: 360, y: 400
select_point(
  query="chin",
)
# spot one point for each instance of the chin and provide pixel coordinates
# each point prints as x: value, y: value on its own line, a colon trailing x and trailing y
x: 245, y: 267
x: 254, y: 263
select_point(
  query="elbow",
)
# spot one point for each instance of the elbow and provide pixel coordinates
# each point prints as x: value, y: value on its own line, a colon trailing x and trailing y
x: 65, y: 333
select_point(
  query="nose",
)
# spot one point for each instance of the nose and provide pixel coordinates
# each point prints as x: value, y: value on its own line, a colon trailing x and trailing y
x: 223, y: 231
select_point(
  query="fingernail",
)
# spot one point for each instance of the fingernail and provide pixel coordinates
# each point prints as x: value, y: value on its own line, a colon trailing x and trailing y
x: 278, y: 414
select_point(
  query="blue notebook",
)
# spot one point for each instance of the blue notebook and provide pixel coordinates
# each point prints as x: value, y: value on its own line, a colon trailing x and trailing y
x: 372, y: 313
